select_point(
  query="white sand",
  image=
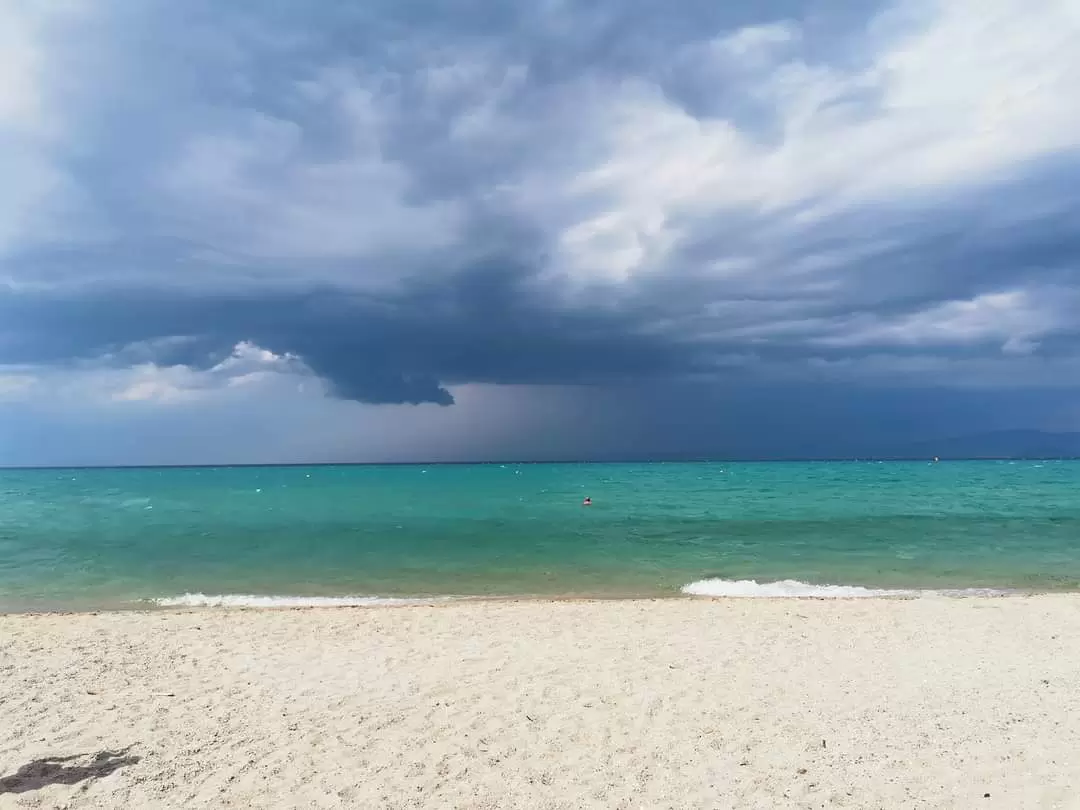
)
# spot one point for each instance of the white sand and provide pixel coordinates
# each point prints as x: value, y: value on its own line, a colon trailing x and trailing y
x: 649, y: 704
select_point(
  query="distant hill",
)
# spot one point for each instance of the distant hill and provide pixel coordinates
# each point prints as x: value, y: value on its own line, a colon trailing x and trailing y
x: 998, y: 444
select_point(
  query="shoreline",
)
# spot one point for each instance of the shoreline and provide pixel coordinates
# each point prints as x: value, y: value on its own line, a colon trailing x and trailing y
x: 362, y: 603
x: 701, y: 590
x: 689, y: 703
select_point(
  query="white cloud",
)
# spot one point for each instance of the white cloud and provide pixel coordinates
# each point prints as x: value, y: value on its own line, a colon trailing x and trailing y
x: 248, y: 359
x: 21, y: 106
x: 960, y: 93
x: 247, y: 365
x: 102, y: 381
x: 754, y: 44
x: 40, y: 202
x: 1015, y: 319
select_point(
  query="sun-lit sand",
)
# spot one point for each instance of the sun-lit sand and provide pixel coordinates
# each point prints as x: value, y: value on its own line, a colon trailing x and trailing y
x: 950, y: 703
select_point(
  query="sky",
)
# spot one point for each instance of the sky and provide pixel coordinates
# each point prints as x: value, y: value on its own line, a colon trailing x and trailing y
x: 257, y: 232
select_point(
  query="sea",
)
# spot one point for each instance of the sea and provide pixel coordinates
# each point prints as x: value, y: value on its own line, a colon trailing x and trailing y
x: 87, y: 539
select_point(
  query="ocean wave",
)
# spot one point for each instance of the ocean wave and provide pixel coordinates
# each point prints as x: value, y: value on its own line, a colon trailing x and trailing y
x: 256, y: 601
x: 792, y: 588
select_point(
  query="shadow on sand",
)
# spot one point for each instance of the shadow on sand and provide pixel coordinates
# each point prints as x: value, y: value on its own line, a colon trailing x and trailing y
x: 65, y: 770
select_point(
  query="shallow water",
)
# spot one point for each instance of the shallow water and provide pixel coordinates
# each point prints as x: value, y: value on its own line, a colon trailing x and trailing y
x: 119, y: 537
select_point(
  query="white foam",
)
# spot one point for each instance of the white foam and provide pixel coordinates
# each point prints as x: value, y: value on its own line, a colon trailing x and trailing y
x: 254, y: 601
x: 791, y: 588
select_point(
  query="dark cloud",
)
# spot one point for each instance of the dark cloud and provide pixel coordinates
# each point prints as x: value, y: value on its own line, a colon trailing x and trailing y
x: 657, y: 202
x: 497, y: 322
x: 481, y: 326
x: 494, y: 324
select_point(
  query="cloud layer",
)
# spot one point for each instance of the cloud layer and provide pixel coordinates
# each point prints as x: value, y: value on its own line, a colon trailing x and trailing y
x: 397, y: 204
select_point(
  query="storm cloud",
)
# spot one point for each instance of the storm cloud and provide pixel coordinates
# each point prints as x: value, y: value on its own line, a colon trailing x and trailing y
x: 713, y: 211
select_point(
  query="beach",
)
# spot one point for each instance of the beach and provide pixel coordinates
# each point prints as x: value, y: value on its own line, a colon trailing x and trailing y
x: 930, y: 702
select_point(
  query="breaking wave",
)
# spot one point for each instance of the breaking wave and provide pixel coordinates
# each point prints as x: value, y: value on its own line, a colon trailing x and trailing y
x: 251, y: 600
x: 791, y: 588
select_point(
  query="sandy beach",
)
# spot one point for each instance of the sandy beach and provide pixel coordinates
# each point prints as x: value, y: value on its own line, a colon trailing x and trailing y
x: 935, y: 702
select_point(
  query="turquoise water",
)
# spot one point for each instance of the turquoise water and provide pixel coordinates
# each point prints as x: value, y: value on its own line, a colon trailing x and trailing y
x: 116, y: 537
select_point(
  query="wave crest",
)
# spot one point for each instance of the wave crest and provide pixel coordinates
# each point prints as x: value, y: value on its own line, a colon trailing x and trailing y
x: 252, y: 600
x: 793, y: 588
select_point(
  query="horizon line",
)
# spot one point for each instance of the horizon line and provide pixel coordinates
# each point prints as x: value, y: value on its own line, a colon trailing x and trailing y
x: 709, y: 460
